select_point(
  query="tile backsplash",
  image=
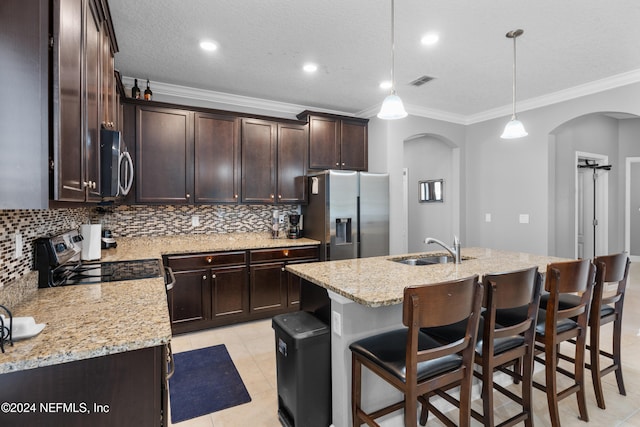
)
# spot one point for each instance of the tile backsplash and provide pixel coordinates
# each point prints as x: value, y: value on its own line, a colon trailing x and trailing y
x: 129, y: 221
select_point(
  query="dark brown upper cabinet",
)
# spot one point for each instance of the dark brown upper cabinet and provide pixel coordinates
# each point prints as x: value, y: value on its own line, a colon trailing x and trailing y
x: 273, y: 162
x: 164, y: 155
x: 185, y: 156
x: 336, y: 142
x: 83, y: 97
x: 217, y: 158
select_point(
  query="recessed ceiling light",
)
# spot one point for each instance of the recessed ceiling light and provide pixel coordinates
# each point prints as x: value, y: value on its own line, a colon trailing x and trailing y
x: 310, y: 68
x: 430, y: 39
x: 385, y: 85
x: 208, y: 45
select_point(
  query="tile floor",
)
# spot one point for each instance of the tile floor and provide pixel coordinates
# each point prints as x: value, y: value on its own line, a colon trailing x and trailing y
x: 252, y: 348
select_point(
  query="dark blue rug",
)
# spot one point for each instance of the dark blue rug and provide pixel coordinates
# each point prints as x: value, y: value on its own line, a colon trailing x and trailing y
x: 204, y: 381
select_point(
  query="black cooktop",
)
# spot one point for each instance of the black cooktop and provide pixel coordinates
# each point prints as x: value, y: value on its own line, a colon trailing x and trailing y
x: 116, y: 271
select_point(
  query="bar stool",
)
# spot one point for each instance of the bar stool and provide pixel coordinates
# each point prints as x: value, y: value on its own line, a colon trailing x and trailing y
x: 610, y: 269
x: 499, y: 346
x: 415, y: 363
x: 563, y: 324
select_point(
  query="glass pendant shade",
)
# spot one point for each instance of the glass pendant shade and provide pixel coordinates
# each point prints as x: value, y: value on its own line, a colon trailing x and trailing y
x: 514, y: 129
x: 392, y: 108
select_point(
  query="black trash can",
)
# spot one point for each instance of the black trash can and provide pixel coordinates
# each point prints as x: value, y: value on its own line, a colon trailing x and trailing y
x: 303, y: 363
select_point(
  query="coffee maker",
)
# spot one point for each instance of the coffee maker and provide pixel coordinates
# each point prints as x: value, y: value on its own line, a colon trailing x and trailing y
x: 294, y: 227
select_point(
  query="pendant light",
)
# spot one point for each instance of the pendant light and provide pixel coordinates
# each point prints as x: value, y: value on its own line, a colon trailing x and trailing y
x: 392, y: 107
x: 515, y: 128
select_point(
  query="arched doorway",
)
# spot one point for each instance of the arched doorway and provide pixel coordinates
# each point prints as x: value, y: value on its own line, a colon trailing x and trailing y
x: 429, y: 157
x: 578, y: 226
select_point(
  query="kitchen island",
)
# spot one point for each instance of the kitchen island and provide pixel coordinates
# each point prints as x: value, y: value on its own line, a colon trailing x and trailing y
x: 366, y: 299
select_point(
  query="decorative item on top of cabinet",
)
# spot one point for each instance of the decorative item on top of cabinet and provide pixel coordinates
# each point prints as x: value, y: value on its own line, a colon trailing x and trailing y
x: 336, y: 142
x: 273, y: 161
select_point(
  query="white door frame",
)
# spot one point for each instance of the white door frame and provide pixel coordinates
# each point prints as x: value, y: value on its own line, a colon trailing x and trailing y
x: 405, y: 210
x: 627, y: 207
x: 602, y: 201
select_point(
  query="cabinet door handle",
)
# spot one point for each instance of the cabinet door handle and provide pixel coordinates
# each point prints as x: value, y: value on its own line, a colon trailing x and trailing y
x: 235, y: 196
x: 337, y: 164
x: 279, y: 196
x: 342, y: 164
x: 188, y: 196
x: 93, y: 185
x: 204, y: 277
x: 213, y: 276
x: 282, y: 268
x: 272, y: 196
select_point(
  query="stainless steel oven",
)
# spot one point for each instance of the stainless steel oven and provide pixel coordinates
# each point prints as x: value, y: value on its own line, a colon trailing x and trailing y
x: 57, y: 259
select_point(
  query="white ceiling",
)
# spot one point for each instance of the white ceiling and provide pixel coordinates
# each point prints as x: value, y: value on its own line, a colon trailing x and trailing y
x: 264, y: 43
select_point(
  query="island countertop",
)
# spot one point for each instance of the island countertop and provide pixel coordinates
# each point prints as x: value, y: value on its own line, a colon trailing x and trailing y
x: 379, y: 281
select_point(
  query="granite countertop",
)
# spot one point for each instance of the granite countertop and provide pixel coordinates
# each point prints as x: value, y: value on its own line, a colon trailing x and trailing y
x: 87, y: 321
x: 378, y: 281
x: 155, y: 247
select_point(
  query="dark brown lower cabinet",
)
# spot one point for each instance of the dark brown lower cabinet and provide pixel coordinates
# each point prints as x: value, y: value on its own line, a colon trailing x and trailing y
x: 222, y: 288
x: 122, y: 389
x: 268, y: 287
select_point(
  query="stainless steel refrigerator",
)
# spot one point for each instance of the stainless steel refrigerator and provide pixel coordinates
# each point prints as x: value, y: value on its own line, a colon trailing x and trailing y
x: 348, y: 212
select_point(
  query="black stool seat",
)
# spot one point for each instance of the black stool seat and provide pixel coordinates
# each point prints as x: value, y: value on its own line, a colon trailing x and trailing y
x: 454, y: 332
x: 388, y: 350
x: 570, y: 300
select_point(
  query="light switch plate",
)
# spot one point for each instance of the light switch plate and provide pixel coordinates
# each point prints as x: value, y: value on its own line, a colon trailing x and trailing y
x: 524, y: 218
x: 195, y: 221
x: 487, y: 217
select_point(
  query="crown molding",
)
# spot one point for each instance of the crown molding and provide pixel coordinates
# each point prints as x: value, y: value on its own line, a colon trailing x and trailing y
x: 189, y: 93
x: 568, y: 94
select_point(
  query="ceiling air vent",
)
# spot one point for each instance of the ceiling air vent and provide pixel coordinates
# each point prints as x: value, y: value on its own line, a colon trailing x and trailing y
x: 421, y: 80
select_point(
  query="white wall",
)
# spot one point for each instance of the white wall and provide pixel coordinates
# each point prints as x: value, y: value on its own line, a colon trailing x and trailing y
x: 507, y: 178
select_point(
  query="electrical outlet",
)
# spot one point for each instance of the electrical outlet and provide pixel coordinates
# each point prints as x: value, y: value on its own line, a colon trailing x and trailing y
x: 281, y: 218
x: 336, y: 322
x: 19, y: 242
x: 195, y: 221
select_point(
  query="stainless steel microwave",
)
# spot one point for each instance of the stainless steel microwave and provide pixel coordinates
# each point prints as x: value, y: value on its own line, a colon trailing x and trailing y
x: 116, y: 166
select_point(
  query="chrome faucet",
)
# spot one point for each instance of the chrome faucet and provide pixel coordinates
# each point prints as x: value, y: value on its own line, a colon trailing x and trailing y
x: 454, y: 251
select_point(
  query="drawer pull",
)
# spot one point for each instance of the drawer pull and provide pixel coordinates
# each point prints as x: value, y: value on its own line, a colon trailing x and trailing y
x: 209, y: 259
x: 285, y: 253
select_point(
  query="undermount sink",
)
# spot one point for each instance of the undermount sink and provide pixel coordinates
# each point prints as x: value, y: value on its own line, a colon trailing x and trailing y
x: 426, y: 259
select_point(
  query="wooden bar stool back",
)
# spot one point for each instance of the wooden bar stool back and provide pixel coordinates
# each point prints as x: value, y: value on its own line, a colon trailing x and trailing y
x: 499, y: 346
x: 508, y: 344
x: 564, y: 324
x: 414, y: 363
x: 607, y: 308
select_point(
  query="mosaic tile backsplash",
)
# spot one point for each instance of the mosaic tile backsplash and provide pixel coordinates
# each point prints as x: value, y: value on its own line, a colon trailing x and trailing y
x: 125, y: 221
